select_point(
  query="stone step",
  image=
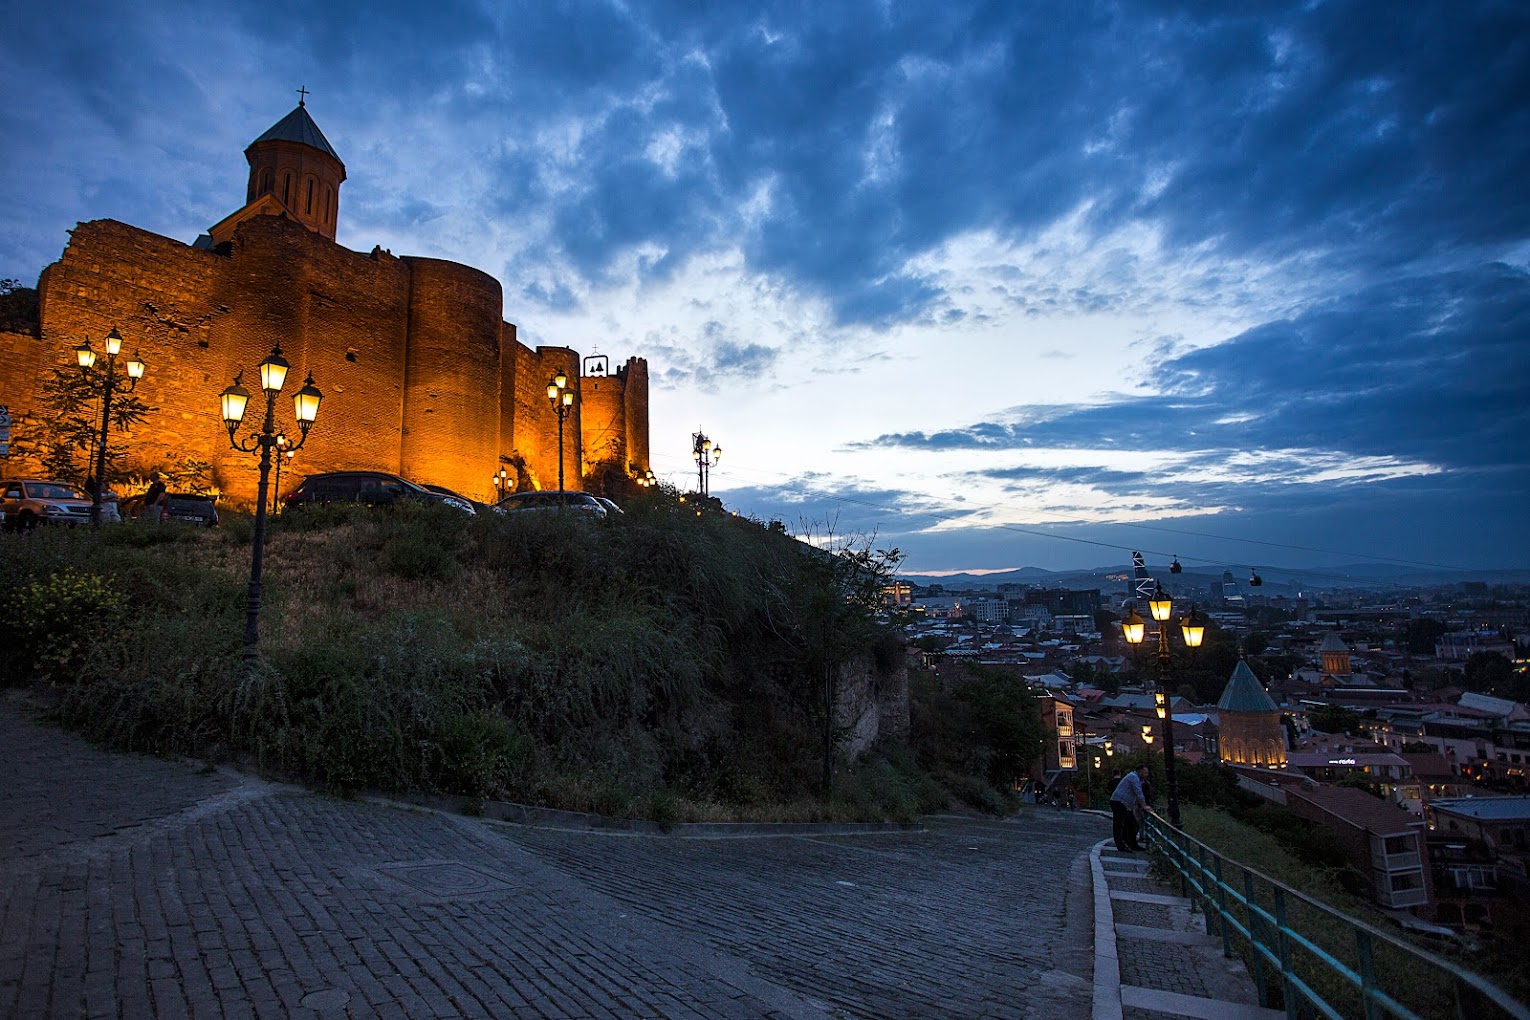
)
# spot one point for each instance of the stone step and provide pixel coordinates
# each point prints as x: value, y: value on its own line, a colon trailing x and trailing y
x: 1176, y: 1004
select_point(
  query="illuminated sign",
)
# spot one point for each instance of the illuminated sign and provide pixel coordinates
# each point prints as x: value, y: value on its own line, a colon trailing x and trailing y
x: 1342, y: 761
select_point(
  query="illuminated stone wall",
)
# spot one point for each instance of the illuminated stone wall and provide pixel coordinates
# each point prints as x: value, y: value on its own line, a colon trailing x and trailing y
x: 420, y: 373
x: 1252, y: 738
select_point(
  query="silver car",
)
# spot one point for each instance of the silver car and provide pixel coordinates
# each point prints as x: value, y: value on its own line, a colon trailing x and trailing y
x: 549, y: 500
x: 28, y: 502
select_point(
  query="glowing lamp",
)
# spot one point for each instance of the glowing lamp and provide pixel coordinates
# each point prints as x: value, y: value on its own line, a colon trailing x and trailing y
x: 561, y: 379
x: 1160, y: 702
x: 273, y: 371
x: 84, y: 355
x: 1133, y: 628
x: 305, y: 403
x: 552, y: 392
x: 568, y: 398
x: 1194, y: 629
x: 136, y: 367
x: 113, y: 343
x: 716, y: 454
x: 1161, y: 606
x: 233, y: 400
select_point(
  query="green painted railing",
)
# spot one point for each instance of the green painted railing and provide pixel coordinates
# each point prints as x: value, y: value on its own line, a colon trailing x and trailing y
x: 1314, y: 961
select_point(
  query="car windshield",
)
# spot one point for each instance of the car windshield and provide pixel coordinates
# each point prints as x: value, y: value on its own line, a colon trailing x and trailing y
x: 52, y: 490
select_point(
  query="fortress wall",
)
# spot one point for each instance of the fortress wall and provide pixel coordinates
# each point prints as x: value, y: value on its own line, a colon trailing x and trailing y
x: 22, y: 361
x: 451, y: 382
x: 158, y: 293
x: 339, y: 314
x: 528, y: 406
x: 420, y: 374
x: 509, y: 437
x: 635, y: 405
x: 536, y: 426
x: 603, y: 421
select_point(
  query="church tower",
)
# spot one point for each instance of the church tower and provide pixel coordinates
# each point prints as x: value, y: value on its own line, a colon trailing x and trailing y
x: 1249, y: 723
x: 295, y: 164
x: 1335, y: 655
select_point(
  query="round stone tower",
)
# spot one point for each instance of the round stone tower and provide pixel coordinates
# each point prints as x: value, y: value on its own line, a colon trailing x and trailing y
x: 295, y: 163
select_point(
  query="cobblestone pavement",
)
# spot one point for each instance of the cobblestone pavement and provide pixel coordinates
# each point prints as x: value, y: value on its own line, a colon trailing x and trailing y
x: 134, y: 887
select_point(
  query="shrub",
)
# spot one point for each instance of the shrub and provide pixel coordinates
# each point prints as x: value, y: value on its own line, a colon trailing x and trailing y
x: 54, y: 622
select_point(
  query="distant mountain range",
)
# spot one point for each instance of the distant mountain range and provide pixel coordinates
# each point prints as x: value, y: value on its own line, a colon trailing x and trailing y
x: 1282, y: 580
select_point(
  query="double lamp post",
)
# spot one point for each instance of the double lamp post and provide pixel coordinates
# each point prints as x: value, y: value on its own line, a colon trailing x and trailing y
x: 85, y: 356
x: 1193, y: 629
x: 305, y: 408
x: 562, y: 399
x: 706, y: 457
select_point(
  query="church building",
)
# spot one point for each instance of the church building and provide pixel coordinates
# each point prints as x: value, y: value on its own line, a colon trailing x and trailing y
x: 421, y: 374
x: 1249, y: 723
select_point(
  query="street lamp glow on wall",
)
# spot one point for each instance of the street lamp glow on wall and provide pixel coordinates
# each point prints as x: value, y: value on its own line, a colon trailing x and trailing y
x: 85, y: 356
x: 305, y: 408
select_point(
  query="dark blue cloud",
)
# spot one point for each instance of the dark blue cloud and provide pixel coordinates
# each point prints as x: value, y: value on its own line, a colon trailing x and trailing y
x: 1428, y: 369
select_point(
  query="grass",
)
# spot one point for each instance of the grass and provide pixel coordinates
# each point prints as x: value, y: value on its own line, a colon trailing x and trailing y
x: 1398, y: 973
x: 657, y: 666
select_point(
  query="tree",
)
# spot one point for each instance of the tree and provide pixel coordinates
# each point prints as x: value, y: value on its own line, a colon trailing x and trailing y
x: 18, y: 307
x: 63, y: 437
x: 1489, y: 672
x: 1421, y: 635
x: 830, y: 610
x: 1334, y: 719
x: 1007, y: 721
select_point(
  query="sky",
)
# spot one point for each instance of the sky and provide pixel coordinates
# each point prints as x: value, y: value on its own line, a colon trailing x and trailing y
x: 1000, y: 284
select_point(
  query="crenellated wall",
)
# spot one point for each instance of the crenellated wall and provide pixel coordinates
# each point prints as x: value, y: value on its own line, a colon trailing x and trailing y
x: 420, y: 373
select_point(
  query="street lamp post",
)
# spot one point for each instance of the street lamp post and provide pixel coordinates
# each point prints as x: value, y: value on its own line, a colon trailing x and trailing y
x: 562, y: 399
x: 282, y: 454
x: 501, y: 482
x: 706, y: 456
x: 1194, y: 631
x: 85, y: 357
x: 305, y: 408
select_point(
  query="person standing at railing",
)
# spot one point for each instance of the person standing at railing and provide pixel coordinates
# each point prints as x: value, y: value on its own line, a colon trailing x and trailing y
x: 1127, y: 804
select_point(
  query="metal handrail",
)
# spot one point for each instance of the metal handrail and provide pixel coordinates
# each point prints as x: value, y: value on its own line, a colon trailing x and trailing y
x: 1310, y: 977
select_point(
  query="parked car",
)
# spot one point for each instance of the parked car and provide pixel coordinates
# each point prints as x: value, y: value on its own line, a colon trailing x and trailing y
x: 374, y: 488
x: 546, y: 501
x: 611, y: 507
x: 193, y: 509
x: 28, y: 502
x: 444, y: 491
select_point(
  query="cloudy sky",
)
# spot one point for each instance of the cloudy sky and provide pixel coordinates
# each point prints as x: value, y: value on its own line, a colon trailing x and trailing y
x: 1005, y: 283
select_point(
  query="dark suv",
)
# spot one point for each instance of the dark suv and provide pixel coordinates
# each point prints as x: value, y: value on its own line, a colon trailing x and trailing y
x: 374, y: 488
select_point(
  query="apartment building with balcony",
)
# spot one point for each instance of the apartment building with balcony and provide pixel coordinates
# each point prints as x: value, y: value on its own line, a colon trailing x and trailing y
x: 1384, y: 843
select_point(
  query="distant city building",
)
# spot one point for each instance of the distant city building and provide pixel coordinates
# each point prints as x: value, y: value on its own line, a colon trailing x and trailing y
x: 1462, y: 645
x: 1335, y: 656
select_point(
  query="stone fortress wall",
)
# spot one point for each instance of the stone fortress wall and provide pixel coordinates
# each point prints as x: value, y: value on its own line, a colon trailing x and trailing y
x: 421, y: 375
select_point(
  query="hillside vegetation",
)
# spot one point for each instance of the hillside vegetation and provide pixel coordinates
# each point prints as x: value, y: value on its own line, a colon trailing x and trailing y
x: 662, y: 664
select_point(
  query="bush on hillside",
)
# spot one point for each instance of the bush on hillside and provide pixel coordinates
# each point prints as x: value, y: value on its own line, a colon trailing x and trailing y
x: 655, y: 664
